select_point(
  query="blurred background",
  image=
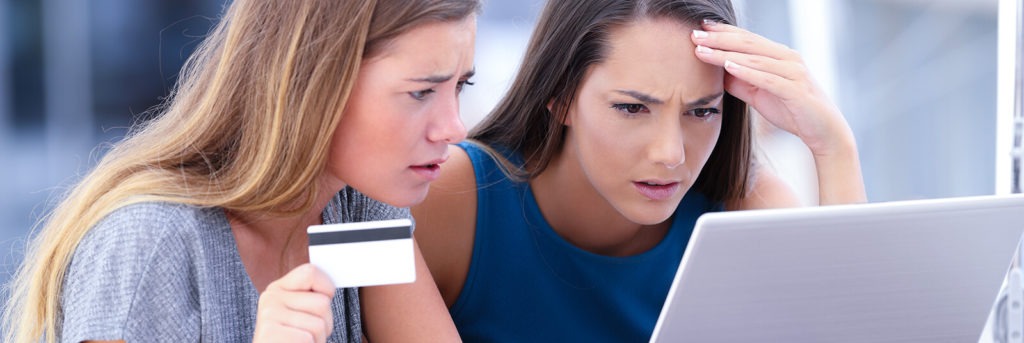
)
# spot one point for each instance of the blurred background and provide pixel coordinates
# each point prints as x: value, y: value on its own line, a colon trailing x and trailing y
x: 916, y: 80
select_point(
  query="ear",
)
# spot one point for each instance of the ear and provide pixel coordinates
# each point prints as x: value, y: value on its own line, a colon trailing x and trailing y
x: 551, y: 109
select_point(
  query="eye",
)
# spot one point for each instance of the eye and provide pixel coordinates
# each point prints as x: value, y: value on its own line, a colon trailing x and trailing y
x: 462, y: 84
x: 420, y: 95
x: 703, y: 113
x: 631, y: 109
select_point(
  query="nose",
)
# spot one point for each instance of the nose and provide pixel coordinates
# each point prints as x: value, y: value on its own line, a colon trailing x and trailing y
x: 667, y: 145
x: 447, y: 127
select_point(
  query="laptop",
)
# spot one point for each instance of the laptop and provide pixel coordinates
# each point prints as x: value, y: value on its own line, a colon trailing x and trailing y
x: 907, y: 271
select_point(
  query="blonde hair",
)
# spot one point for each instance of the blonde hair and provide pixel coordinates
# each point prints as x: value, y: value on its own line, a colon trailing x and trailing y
x: 247, y: 129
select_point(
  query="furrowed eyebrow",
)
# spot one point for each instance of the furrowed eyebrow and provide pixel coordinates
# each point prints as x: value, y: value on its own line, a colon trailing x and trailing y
x: 641, y: 96
x: 705, y: 100
x: 652, y: 100
x: 442, y: 78
x: 433, y: 79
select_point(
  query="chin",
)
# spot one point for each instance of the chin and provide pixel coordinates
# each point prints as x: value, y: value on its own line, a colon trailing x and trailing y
x: 406, y: 197
x: 409, y: 202
x: 650, y: 216
x: 649, y: 221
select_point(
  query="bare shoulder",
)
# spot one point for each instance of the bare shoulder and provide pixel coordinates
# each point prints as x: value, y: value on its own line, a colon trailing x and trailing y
x: 452, y: 197
x: 446, y: 223
x: 767, y: 190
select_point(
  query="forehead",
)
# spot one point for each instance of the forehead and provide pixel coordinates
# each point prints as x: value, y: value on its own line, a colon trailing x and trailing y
x: 432, y: 46
x: 658, y: 55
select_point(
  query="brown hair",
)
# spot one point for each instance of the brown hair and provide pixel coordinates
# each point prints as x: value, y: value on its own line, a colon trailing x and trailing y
x: 247, y: 129
x: 570, y: 37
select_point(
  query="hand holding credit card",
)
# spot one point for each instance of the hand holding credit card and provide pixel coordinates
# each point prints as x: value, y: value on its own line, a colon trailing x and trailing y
x: 364, y: 253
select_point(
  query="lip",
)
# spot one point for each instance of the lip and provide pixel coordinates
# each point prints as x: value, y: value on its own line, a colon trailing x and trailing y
x: 441, y: 160
x: 430, y: 170
x: 657, y: 190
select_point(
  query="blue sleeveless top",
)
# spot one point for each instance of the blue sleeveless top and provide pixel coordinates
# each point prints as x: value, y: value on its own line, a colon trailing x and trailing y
x: 527, y: 284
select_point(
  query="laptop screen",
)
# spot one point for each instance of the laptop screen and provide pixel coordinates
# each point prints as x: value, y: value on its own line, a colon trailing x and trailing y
x: 909, y: 271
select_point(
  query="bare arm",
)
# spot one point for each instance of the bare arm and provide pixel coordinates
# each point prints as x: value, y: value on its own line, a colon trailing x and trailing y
x: 407, y: 312
x: 839, y: 175
x: 767, y: 190
x: 446, y: 225
x: 444, y: 244
x: 774, y: 80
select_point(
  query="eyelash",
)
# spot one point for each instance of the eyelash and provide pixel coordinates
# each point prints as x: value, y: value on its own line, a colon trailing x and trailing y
x: 462, y: 84
x: 704, y: 113
x: 422, y: 94
x: 632, y: 110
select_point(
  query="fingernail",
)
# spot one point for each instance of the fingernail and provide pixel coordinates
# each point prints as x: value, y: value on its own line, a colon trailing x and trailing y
x: 731, y: 65
x: 699, y: 34
x: 703, y: 49
x: 710, y: 22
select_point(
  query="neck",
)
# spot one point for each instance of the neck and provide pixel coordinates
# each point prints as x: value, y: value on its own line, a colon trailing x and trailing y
x: 582, y: 216
x: 271, y: 246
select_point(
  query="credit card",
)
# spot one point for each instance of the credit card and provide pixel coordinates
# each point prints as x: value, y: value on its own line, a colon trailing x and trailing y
x: 364, y: 253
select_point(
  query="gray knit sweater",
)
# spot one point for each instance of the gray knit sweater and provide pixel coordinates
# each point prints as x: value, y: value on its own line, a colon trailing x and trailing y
x: 163, y: 272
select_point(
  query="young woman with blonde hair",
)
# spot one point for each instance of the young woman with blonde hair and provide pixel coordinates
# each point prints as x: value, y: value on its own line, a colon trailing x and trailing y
x: 291, y: 113
x: 566, y: 215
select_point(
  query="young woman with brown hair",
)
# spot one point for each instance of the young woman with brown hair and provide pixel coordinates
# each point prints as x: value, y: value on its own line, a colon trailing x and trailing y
x: 566, y: 215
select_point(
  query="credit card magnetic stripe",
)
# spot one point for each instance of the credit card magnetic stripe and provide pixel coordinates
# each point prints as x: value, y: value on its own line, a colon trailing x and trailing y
x: 356, y: 236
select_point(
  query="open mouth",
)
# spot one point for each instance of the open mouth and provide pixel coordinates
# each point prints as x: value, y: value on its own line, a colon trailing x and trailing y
x: 431, y: 166
x: 430, y: 171
x: 656, y: 190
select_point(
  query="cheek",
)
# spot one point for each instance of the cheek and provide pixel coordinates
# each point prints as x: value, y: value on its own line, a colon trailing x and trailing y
x: 609, y: 137
x: 608, y: 148
x: 344, y: 150
x: 702, y: 141
x: 356, y: 141
x: 373, y: 124
x: 712, y: 139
